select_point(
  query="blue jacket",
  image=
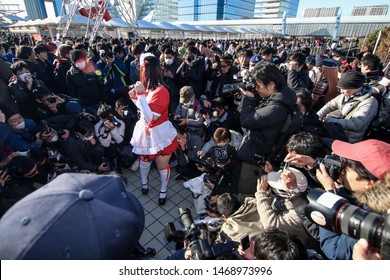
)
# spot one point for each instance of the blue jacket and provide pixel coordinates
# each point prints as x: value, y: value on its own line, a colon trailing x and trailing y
x: 337, y: 246
x: 23, y: 139
x: 114, y: 75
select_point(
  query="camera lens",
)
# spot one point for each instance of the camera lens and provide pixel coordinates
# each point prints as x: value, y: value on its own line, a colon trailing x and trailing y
x: 334, y: 212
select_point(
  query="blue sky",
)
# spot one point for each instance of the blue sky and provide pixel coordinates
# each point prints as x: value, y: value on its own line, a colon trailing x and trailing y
x: 346, y: 5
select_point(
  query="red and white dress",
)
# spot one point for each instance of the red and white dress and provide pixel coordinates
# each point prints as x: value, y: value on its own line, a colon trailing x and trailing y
x: 156, y: 137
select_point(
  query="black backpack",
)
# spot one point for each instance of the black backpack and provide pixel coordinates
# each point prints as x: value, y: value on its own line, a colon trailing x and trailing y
x: 380, y: 125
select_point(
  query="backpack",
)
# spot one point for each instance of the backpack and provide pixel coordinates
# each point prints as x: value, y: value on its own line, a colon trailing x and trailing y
x: 320, y: 88
x: 380, y: 125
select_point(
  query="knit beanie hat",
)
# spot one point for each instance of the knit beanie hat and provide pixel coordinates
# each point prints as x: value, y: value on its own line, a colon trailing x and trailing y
x: 351, y: 80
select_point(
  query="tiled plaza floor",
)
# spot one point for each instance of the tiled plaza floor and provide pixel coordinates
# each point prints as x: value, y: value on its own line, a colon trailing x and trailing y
x: 156, y: 217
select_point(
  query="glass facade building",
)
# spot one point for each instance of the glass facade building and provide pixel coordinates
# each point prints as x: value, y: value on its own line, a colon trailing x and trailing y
x: 36, y: 8
x: 196, y: 10
x: 275, y: 8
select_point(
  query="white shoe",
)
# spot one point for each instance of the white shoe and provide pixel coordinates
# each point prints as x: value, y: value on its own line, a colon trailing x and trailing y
x: 134, y: 166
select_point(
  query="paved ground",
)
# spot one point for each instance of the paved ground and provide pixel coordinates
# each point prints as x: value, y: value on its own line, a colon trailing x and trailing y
x: 156, y: 217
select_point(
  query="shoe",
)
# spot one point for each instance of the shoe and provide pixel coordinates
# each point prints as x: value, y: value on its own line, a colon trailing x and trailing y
x: 162, y: 200
x: 145, y: 188
x: 179, y: 177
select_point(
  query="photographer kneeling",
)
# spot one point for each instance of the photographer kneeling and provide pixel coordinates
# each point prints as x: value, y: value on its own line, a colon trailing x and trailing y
x: 109, y: 130
x: 361, y: 166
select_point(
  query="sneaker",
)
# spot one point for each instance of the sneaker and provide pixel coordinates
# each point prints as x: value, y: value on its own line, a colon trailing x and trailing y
x: 135, y: 166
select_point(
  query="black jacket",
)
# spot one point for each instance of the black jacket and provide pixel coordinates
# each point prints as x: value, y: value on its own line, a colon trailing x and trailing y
x: 173, y: 85
x: 87, y: 88
x: 264, y: 120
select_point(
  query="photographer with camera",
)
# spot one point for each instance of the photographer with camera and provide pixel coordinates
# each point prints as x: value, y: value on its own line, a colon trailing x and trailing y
x: 218, y: 116
x: 20, y: 88
x: 83, y: 150
x: 192, y: 72
x: 188, y: 113
x: 221, y: 156
x: 171, y: 78
x: 298, y: 75
x: 17, y: 180
x: 362, y: 165
x: 113, y: 73
x: 264, y: 113
x: 50, y: 104
x: 24, y: 135
x: 195, y: 242
x: 187, y: 155
x: 109, y: 130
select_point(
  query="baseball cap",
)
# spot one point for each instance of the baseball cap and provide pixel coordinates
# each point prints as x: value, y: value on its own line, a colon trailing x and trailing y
x: 256, y: 58
x: 330, y: 63
x: 75, y: 216
x: 372, y: 154
x: 186, y: 94
x: 275, y: 180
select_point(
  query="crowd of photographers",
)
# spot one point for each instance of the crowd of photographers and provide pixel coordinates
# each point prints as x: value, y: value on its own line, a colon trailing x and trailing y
x: 257, y: 121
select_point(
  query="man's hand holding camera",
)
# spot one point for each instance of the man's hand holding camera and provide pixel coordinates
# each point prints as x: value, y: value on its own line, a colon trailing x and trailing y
x: 4, y: 177
x: 167, y: 73
x: 325, y: 179
x: 54, y: 100
x: 108, y: 125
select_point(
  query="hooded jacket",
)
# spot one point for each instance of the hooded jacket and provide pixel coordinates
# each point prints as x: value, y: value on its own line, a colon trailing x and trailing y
x: 264, y: 120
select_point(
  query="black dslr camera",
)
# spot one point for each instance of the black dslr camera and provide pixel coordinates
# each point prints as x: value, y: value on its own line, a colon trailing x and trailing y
x: 208, y: 163
x: 51, y: 100
x: 114, y: 121
x: 334, y: 213
x: 332, y: 164
x: 199, y: 244
x: 213, y: 179
x: 229, y: 90
x: 261, y: 159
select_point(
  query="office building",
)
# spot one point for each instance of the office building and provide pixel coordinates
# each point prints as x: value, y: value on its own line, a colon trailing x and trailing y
x: 196, y: 10
x: 378, y: 10
x: 321, y: 12
x: 275, y: 8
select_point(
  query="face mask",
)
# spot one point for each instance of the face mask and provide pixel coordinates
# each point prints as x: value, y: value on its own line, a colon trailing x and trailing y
x: 215, y: 113
x: 169, y: 61
x: 80, y: 65
x: 88, y: 138
x: 22, y: 77
x: 221, y: 144
x: 20, y: 126
x: 54, y: 138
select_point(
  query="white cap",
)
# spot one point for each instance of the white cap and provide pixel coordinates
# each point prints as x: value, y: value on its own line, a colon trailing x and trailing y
x: 275, y: 180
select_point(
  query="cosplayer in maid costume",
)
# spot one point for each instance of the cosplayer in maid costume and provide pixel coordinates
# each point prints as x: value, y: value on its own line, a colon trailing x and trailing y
x: 154, y: 137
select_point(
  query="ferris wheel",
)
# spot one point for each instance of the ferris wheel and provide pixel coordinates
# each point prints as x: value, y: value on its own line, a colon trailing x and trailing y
x: 96, y: 11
